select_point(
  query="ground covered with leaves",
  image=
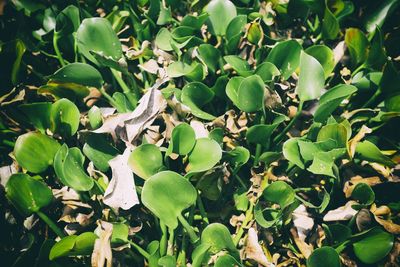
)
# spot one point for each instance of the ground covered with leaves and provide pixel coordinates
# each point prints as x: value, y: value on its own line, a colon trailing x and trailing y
x: 200, y: 133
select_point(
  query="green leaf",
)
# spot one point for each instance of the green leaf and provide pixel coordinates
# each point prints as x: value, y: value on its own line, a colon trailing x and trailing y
x: 74, y: 245
x: 205, y: 155
x: 210, y: 55
x: 35, y: 151
x: 221, y: 12
x: 324, y: 161
x: 357, y: 43
x: 239, y: 65
x: 368, y: 151
x: 331, y: 100
x: 238, y: 156
x: 38, y: 114
x: 311, y: 78
x: 178, y: 69
x: 99, y: 150
x: 97, y: 35
x: 195, y: 95
x: 95, y: 117
x: 325, y: 256
x: 261, y: 133
x: 286, y: 57
x: 64, y: 117
x: 367, y: 250
x: 68, y: 165
x: 325, y: 57
x: 27, y: 194
x: 164, y: 39
x: 226, y: 261
x: 79, y: 73
x: 120, y: 234
x: 167, y: 194
x: 334, y: 131
x: 379, y: 14
x: 291, y: 152
x: 330, y: 25
x: 183, y: 139
x: 146, y: 160
x: 267, y: 71
x: 218, y: 237
x: 363, y: 193
x: 279, y: 192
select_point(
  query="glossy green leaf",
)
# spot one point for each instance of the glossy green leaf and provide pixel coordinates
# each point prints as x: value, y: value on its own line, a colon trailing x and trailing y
x: 64, y: 117
x: 291, y: 152
x: 363, y: 193
x: 334, y: 131
x: 226, y: 261
x: 261, y: 133
x: 97, y: 35
x: 325, y: 256
x: 220, y: 12
x: 367, y: 250
x: 249, y: 95
x: 79, y: 73
x: 146, y: 160
x: 210, y: 55
x: 331, y: 100
x: 330, y: 25
x: 279, y: 192
x: 325, y: 57
x: 99, y: 150
x: 74, y: 245
x: 370, y: 152
x: 311, y: 78
x: 205, y: 155
x: 68, y: 165
x: 378, y: 16
x: 167, y: 194
x: 357, y: 43
x: 35, y: 151
x: 239, y: 65
x: 195, y: 95
x: 27, y: 194
x: 286, y: 57
x: 238, y: 156
x: 38, y: 114
x: 218, y: 237
x: 95, y: 117
x: 267, y: 71
x: 179, y: 69
x: 183, y: 139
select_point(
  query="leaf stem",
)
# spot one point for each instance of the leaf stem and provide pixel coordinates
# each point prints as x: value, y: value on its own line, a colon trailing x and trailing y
x: 248, y: 218
x: 202, y: 210
x: 108, y: 97
x: 259, y: 146
x: 192, y: 234
x: 163, y: 240
x: 143, y: 252
x: 120, y: 81
x: 50, y: 223
x: 57, y: 50
x: 170, y: 250
x: 289, y: 126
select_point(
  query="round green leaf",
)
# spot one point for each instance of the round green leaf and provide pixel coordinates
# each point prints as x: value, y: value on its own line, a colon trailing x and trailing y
x: 363, y: 193
x: 64, y: 117
x: 99, y: 150
x: 251, y: 94
x: 331, y: 100
x: 74, y: 245
x: 210, y: 55
x: 239, y: 65
x: 97, y: 35
x: 267, y: 71
x: 183, y: 139
x: 279, y: 192
x: 79, y: 73
x: 232, y: 89
x: 68, y: 165
x: 167, y: 194
x: 374, y: 246
x: 205, y: 155
x: 325, y: 256
x: 218, y: 237
x: 260, y: 134
x: 325, y: 57
x: 27, y: 194
x: 35, y: 151
x: 311, y: 78
x: 221, y: 12
x: 291, y: 152
x: 286, y: 57
x: 357, y: 43
x: 195, y: 95
x: 146, y: 160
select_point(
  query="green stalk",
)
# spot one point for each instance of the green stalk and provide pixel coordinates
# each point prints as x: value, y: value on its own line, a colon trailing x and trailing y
x: 192, y: 234
x: 120, y: 81
x: 163, y: 240
x: 143, y: 252
x: 373, y: 99
x: 170, y: 250
x: 248, y: 218
x: 259, y: 146
x: 57, y: 50
x: 108, y: 97
x: 289, y: 126
x: 50, y: 223
x: 202, y: 210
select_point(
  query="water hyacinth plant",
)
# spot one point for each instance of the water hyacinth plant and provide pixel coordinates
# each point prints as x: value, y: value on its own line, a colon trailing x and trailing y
x: 220, y: 133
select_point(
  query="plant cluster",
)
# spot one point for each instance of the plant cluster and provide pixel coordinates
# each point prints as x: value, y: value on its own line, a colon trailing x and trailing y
x: 200, y: 133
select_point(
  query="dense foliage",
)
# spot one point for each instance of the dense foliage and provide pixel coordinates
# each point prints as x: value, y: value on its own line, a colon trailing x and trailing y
x: 199, y: 133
